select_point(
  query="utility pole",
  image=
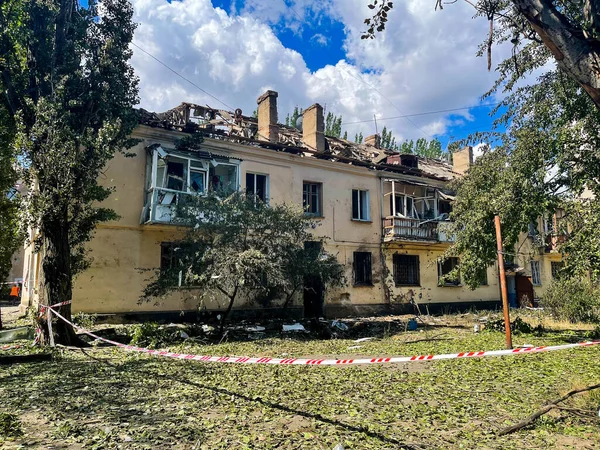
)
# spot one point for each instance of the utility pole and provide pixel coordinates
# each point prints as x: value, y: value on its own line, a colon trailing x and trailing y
x: 503, y: 282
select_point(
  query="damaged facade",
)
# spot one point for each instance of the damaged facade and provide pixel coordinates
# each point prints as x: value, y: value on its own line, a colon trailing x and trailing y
x: 384, y: 215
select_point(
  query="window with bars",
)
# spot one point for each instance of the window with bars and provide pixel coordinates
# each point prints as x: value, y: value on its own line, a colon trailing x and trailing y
x: 536, y: 278
x: 360, y: 205
x: 444, y: 268
x: 363, y: 273
x: 312, y: 198
x: 406, y: 270
x: 556, y: 267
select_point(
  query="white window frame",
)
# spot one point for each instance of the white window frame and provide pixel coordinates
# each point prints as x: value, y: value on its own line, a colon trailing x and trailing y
x: 267, y: 185
x: 536, y: 274
x: 361, y: 202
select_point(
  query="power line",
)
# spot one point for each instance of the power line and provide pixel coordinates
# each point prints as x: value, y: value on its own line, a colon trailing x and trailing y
x: 424, y: 113
x: 181, y: 76
x: 369, y: 85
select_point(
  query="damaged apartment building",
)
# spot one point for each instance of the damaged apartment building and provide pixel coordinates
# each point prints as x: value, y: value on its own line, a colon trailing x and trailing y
x: 383, y: 214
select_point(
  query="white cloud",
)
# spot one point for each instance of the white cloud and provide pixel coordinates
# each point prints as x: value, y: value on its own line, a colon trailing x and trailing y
x: 424, y: 61
x: 320, y: 39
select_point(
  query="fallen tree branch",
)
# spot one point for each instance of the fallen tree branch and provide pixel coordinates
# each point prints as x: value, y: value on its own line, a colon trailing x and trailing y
x: 553, y: 404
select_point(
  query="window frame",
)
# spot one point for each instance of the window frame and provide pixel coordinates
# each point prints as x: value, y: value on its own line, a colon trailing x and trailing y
x: 367, y: 269
x: 441, y: 273
x: 416, y: 264
x: 360, y: 202
x: 319, y: 197
x: 266, y: 188
x: 536, y: 280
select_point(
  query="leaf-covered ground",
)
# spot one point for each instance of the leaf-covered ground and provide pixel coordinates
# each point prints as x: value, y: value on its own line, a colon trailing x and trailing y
x: 105, y: 398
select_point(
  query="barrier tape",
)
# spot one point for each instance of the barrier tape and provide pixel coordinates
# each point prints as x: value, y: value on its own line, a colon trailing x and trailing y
x: 327, y: 362
x: 10, y: 347
x: 38, y: 330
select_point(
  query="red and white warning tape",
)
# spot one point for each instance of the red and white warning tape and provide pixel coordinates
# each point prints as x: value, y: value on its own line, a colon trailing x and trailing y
x: 10, y: 347
x: 38, y: 330
x: 327, y: 362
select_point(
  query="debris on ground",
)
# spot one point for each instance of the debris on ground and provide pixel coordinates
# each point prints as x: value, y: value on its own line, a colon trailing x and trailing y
x: 294, y: 327
x: 339, y: 325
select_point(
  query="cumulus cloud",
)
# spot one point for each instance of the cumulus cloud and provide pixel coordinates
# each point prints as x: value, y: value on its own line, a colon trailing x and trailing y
x: 424, y: 61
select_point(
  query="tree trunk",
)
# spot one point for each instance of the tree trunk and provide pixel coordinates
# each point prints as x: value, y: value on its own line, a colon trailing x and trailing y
x: 58, y: 277
x: 576, y: 54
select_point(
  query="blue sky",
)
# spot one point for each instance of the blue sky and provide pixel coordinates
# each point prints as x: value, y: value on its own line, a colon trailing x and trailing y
x: 310, y: 51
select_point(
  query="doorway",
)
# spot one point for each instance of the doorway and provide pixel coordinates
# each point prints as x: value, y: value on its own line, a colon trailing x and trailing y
x: 524, y: 291
x: 314, y: 290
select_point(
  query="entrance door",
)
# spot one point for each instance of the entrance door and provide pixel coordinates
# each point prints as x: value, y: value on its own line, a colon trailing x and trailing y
x: 524, y: 291
x: 313, y: 297
x: 314, y: 291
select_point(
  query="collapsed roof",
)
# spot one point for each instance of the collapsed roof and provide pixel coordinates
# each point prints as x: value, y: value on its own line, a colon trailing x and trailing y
x: 236, y: 127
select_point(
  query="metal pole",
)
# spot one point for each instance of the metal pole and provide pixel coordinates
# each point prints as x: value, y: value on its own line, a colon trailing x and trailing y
x: 503, y: 283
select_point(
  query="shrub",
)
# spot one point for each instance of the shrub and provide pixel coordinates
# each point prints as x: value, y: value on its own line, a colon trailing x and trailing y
x: 572, y: 299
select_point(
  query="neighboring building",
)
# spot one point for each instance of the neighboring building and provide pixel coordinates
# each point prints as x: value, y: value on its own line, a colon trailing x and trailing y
x: 383, y: 214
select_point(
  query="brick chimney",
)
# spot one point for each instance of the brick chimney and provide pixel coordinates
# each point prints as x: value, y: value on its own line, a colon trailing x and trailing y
x: 462, y: 160
x: 373, y: 141
x: 313, y: 128
x: 267, y: 117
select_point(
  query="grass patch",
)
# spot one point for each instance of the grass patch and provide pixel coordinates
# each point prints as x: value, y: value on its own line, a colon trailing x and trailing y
x: 135, y: 401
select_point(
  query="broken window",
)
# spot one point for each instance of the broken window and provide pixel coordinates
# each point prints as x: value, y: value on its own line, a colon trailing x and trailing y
x: 536, y: 278
x: 446, y: 267
x: 363, y: 275
x: 312, y: 198
x: 406, y: 270
x: 404, y: 205
x: 360, y: 204
x: 444, y: 207
x: 223, y: 177
x: 256, y: 184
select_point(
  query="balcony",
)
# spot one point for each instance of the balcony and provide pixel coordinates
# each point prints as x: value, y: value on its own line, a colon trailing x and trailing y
x: 405, y: 228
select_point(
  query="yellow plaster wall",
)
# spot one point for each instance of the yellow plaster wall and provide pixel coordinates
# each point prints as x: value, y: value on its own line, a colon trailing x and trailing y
x: 429, y: 291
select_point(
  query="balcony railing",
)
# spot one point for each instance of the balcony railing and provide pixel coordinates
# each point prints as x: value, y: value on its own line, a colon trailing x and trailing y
x: 163, y: 205
x: 416, y: 230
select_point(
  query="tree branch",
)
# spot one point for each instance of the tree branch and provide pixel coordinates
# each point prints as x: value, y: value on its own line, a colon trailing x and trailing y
x: 532, y: 418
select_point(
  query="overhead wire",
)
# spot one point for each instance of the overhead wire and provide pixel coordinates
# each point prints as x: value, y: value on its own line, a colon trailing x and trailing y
x: 181, y: 76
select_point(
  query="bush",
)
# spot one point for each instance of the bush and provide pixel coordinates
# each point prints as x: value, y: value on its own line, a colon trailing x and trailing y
x: 573, y: 299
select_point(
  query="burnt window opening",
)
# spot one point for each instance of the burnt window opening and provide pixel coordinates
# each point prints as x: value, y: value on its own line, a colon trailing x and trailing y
x: 363, y: 272
x: 312, y: 198
x: 444, y: 268
x: 406, y: 270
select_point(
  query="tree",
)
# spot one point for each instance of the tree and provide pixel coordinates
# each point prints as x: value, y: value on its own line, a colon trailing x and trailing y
x: 345, y: 135
x: 566, y: 31
x: 239, y: 247
x: 358, y: 138
x: 11, y: 237
x: 388, y: 140
x: 423, y: 147
x: 69, y: 96
x: 291, y: 121
x: 333, y: 125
